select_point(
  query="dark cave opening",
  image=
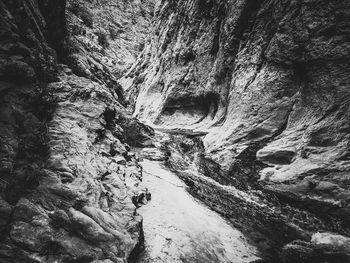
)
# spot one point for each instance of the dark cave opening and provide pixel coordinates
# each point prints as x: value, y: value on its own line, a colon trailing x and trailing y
x: 203, y: 104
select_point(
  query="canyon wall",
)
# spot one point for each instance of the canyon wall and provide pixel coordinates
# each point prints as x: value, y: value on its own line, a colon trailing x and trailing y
x: 268, y: 81
x: 267, y: 84
x: 69, y: 183
x: 261, y: 87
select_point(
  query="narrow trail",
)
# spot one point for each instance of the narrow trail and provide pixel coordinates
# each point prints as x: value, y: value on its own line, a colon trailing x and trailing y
x: 179, y: 228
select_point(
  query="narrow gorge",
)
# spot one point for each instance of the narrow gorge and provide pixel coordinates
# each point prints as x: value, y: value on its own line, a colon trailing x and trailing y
x: 196, y: 131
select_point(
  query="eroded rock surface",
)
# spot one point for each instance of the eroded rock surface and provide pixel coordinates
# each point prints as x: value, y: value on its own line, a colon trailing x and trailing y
x: 105, y: 37
x: 255, y: 95
x: 69, y: 183
x: 268, y: 81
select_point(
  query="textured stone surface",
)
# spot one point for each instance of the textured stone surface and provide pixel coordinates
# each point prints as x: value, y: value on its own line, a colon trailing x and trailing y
x: 327, y: 246
x: 268, y: 81
x: 268, y: 222
x: 263, y: 74
x: 69, y: 183
x: 256, y: 94
x: 105, y: 37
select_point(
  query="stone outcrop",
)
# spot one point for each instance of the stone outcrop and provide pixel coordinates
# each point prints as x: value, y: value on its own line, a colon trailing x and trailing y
x: 329, y: 247
x: 69, y: 182
x: 268, y: 83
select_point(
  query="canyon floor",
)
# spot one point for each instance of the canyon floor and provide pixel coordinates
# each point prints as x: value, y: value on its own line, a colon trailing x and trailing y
x: 191, y: 217
x: 179, y: 228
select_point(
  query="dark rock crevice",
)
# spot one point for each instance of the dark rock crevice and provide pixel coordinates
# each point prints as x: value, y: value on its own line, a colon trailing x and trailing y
x: 202, y: 104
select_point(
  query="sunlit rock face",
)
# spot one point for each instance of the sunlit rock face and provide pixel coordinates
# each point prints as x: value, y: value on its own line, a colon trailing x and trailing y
x: 268, y: 80
x: 69, y: 185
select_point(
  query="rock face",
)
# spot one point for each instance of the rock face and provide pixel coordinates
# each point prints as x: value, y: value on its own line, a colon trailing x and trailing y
x: 105, y: 37
x: 69, y: 182
x: 268, y: 81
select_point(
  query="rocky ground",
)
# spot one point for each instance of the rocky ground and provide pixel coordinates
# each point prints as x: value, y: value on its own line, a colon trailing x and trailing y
x: 184, y: 229
x: 281, y: 231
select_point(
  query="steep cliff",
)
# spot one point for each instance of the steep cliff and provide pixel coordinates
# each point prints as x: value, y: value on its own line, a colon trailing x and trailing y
x: 268, y: 83
x: 69, y: 183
